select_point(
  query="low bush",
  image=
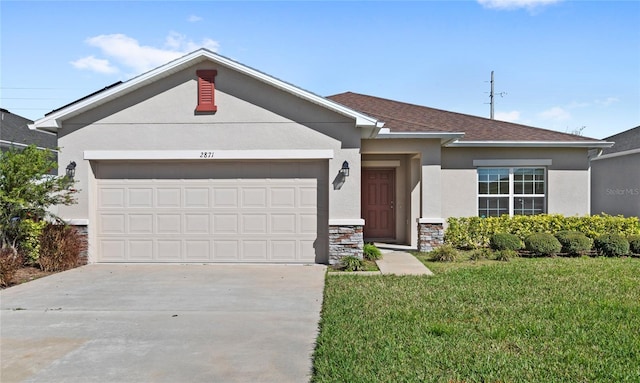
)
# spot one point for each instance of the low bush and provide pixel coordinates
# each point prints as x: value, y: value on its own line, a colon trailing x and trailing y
x: 444, y: 253
x: 611, y: 245
x: 351, y: 263
x: 60, y: 247
x: 574, y: 243
x: 634, y: 244
x: 371, y: 252
x: 481, y: 253
x: 29, y: 244
x: 505, y: 255
x: 505, y: 241
x: 542, y: 244
x: 10, y: 262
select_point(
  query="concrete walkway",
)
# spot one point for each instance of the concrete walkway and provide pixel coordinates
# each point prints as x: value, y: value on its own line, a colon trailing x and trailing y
x: 401, y: 263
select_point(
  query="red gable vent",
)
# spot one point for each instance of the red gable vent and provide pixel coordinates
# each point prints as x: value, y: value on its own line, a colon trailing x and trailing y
x: 206, y: 91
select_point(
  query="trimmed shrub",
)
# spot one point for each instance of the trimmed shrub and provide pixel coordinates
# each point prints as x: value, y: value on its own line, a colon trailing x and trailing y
x: 611, y: 245
x: 444, y: 253
x: 351, y: 263
x: 505, y: 241
x: 574, y: 243
x: 60, y: 247
x: 475, y: 232
x: 634, y: 244
x: 371, y: 252
x: 10, y: 262
x: 542, y: 244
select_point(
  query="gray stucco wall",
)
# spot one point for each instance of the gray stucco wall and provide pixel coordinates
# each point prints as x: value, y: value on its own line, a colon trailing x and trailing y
x: 615, y: 185
x: 567, y: 178
x: 251, y: 116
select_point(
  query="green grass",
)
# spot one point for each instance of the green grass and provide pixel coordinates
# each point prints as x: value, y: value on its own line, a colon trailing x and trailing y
x: 527, y: 320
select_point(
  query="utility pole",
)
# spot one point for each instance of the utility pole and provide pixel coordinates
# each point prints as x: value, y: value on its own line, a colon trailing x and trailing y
x: 491, y: 95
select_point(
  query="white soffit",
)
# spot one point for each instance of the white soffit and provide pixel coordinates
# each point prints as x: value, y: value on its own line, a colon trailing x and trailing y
x: 520, y: 162
x: 529, y: 144
x: 52, y: 121
x: 205, y: 155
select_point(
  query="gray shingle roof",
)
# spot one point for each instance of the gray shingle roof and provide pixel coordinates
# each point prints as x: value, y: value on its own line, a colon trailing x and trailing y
x: 13, y: 128
x: 403, y: 117
x: 627, y: 140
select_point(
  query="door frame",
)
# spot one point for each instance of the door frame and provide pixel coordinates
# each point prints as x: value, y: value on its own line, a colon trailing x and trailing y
x: 394, y: 209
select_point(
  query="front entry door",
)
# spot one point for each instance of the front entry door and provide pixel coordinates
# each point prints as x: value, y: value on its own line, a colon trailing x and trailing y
x: 378, y: 198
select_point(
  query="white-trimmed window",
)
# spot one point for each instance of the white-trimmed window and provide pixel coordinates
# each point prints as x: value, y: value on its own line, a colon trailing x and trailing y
x: 520, y: 191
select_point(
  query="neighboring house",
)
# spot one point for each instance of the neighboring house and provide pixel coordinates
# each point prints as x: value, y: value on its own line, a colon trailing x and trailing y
x: 615, y: 176
x: 207, y: 160
x: 14, y: 132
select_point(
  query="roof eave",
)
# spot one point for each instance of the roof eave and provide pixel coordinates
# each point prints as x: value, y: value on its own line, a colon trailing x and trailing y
x: 445, y: 137
x: 530, y: 144
x: 53, y: 121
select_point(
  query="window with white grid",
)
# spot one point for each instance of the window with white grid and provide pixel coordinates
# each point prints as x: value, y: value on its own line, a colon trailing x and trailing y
x: 520, y: 191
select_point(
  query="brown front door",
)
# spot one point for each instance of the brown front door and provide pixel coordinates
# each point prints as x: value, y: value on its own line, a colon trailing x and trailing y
x: 378, y: 198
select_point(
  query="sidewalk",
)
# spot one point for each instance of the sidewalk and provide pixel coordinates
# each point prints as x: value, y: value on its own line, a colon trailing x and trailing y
x: 401, y: 263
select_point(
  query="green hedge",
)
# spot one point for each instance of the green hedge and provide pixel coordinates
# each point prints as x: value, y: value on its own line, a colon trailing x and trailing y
x: 474, y: 232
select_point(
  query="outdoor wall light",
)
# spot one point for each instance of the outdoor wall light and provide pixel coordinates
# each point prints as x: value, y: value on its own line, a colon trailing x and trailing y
x: 345, y: 169
x: 71, y: 169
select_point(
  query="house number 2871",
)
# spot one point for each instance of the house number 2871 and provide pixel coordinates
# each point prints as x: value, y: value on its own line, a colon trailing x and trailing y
x: 206, y: 154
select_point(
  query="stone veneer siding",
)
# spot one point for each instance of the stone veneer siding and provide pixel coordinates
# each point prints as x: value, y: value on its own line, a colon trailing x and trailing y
x: 83, y: 230
x: 345, y: 240
x: 430, y: 236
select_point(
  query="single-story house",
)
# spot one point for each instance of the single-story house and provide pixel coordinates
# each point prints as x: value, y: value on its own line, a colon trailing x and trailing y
x: 205, y: 159
x: 15, y: 133
x: 615, y: 176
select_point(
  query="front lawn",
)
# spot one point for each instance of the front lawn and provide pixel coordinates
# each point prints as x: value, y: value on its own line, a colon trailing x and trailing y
x: 528, y: 320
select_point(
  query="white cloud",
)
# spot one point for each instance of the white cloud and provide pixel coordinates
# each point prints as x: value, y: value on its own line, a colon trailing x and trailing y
x: 512, y: 116
x: 194, y: 19
x: 515, y: 4
x: 556, y: 113
x: 95, y: 65
x: 607, y: 101
x: 128, y: 52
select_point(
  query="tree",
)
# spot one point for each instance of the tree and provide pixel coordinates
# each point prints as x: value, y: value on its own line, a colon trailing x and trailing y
x: 27, y: 190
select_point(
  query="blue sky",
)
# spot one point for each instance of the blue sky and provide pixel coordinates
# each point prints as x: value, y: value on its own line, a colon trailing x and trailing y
x: 563, y: 65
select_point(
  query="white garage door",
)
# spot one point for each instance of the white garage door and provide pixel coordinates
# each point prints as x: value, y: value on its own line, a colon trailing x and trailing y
x: 210, y: 212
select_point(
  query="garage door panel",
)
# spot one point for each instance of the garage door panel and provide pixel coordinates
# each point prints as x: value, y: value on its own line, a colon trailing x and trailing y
x: 225, y: 224
x: 255, y: 250
x: 140, y: 250
x: 226, y: 250
x: 140, y: 223
x: 196, y: 198
x: 169, y: 223
x: 168, y: 197
x: 225, y: 197
x: 112, y: 250
x: 169, y: 250
x: 197, y: 250
x: 140, y: 197
x: 111, y: 198
x: 113, y: 223
x: 219, y: 217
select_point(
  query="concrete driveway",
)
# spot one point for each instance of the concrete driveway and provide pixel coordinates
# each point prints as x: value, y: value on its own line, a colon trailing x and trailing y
x: 162, y: 323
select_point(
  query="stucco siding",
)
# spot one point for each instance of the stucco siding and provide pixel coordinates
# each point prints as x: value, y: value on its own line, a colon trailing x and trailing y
x: 251, y: 116
x: 567, y: 177
x: 615, y: 185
